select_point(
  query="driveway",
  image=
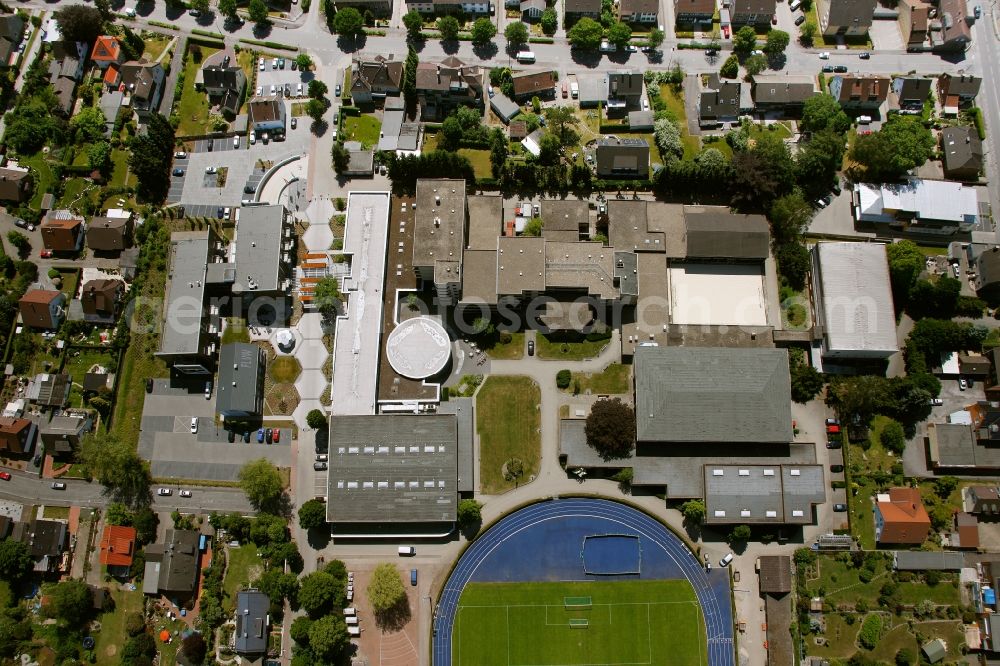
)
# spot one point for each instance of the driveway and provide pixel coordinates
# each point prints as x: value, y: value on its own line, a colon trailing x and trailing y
x: 837, y: 220
x: 885, y: 36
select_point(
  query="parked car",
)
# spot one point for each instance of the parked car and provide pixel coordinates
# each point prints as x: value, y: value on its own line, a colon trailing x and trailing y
x: 827, y: 69
x: 836, y: 189
x: 321, y: 457
x: 631, y: 48
x: 840, y: 69
x: 5, y: 476
x: 194, y: 424
x: 274, y: 63
x: 185, y: 493
x: 236, y: 142
x: 253, y: 137
x: 163, y: 492
x: 149, y: 385
x: 180, y: 155
x: 208, y: 390
x: 319, y: 466
x: 724, y: 562
x: 336, y: 90
x: 277, y: 435
x: 295, y: 122
x: 45, y: 254
x: 298, y: 90
x: 295, y: 65
x: 210, y: 170
x: 220, y: 212
x: 268, y: 434
x: 865, y: 55
x: 260, y: 90
x: 978, y: 11
x: 962, y: 384
x: 531, y: 347
x: 281, y: 63
x: 58, y: 485
x: 178, y: 172
x: 937, y: 402
x: 825, y: 55
x: 836, y: 469
x: 272, y: 89
x: 800, y: 20
x: 834, y: 444
x: 824, y: 201
x: 833, y: 421
x: 260, y: 64
x: 840, y: 508
x: 260, y: 436
x: 249, y: 189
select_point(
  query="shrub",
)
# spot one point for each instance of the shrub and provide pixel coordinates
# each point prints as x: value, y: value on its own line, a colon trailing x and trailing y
x: 563, y: 378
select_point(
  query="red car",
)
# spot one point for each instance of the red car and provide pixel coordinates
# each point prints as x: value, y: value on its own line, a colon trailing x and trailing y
x: 276, y: 435
x: 45, y: 254
x: 5, y: 476
x: 725, y: 31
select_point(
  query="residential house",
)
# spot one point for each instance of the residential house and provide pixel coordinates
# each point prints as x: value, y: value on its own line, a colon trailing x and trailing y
x: 783, y: 94
x: 639, y: 11
x: 963, y: 153
x: 900, y: 517
x: 49, y: 390
x: 240, y: 390
x: 252, y: 620
x: 531, y: 10
x: 965, y: 531
x: 573, y: 10
x: 622, y: 158
x: 956, y: 32
x: 957, y: 92
x: 534, y: 84
x: 504, y: 107
x: 938, y: 207
x: 172, y: 567
x: 360, y: 162
x: 16, y: 435
x: 107, y: 51
x: 11, y: 36
x: 934, y: 650
x: 65, y: 71
x: 911, y: 92
x: 48, y: 541
x: 109, y: 234
x: 641, y: 121
x: 267, y: 115
x: 624, y: 90
x: 752, y: 12
x: 43, y: 308
x: 398, y: 135
x: 111, y: 105
x: 687, y: 12
x: 448, y: 6
x: 445, y: 85
x: 15, y: 184
x: 62, y: 231
x: 914, y: 21
x: 720, y: 106
x: 374, y: 78
x: 518, y: 130
x: 845, y: 18
x: 97, y: 382
x: 224, y: 80
x: 860, y: 92
x: 118, y: 549
x: 100, y: 300
x: 982, y: 499
x: 376, y: 7
x: 144, y: 83
x: 62, y: 434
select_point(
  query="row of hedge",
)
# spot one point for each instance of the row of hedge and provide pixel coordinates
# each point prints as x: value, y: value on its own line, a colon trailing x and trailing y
x: 270, y: 45
x: 541, y: 40
x: 620, y: 129
x: 208, y: 33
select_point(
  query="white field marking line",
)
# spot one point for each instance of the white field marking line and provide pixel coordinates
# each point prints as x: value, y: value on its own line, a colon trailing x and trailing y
x: 507, y: 631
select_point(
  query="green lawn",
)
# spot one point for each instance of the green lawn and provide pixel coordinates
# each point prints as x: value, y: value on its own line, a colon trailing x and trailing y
x: 614, y: 379
x: 629, y: 622
x: 674, y: 99
x: 56, y: 512
x: 77, y: 367
x: 120, y: 176
x: 862, y: 465
x: 243, y: 567
x: 568, y: 346
x: 193, y: 108
x: 508, y: 422
x: 778, y: 129
x: 362, y: 128
x: 73, y: 193
x: 509, y: 351
x: 154, y: 46
x: 44, y: 179
x: 236, y: 331
x: 111, y: 637
x: 480, y: 160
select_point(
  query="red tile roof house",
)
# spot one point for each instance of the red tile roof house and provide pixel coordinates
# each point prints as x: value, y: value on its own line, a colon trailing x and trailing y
x: 15, y: 435
x: 118, y: 549
x: 107, y: 51
x: 900, y: 517
x: 41, y: 308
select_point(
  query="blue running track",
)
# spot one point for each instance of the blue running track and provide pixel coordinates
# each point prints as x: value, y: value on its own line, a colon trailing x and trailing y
x: 544, y: 542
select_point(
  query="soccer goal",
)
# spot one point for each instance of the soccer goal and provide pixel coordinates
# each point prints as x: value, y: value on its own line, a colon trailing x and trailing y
x: 579, y: 622
x: 576, y: 603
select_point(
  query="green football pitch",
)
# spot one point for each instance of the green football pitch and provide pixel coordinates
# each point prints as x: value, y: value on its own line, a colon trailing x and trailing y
x: 579, y: 624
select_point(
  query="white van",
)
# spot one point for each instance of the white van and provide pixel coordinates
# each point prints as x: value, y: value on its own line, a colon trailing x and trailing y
x: 795, y: 4
x: 864, y: 120
x: 351, y: 621
x: 354, y: 631
x: 525, y: 57
x: 406, y: 551
x: 574, y: 89
x: 350, y: 612
x: 129, y: 11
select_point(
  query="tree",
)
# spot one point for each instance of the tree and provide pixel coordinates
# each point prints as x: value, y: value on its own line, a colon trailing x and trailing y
x: 655, y: 38
x: 731, y: 68
x: 619, y: 34
x: 348, y: 22
x: 610, y: 428
x: 448, y: 27
x: 902, y: 144
x: 563, y: 379
x: 198, y: 5
x: 410, y: 81
x: 499, y: 150
x: 764, y: 173
x: 516, y: 34
x: 317, y: 89
x: 116, y: 466
x: 15, y: 560
x: 257, y: 11
x: 139, y: 650
x: 905, y: 657
x: 534, y: 228
x: 586, y: 34
x: 278, y: 585
x: 316, y: 419
x: 755, y: 65
x: 261, y: 483
x: 145, y: 522
x: 340, y: 156
x: 807, y: 381
x: 70, y: 602
x: 303, y: 62
x: 99, y: 157
x: 906, y: 262
x: 668, y: 139
x: 20, y: 243
x: 776, y: 43
x: 414, y: 23
x: 945, y: 486
x: 694, y: 511
x: 227, y: 8
x: 150, y: 159
x: 79, y: 23
x: 892, y: 437
x: 88, y: 125
x: 312, y: 514
x: 328, y: 638
x: 317, y: 592
x: 790, y: 216
x: 549, y: 21
x: 315, y: 109
x: 104, y: 7
x: 745, y: 40
x: 385, y: 589
x: 469, y: 513
x: 807, y: 32
x: 194, y: 647
x: 561, y: 121
x: 483, y: 31
x: 821, y: 112
x: 300, y: 630
x: 819, y: 160
x: 740, y: 534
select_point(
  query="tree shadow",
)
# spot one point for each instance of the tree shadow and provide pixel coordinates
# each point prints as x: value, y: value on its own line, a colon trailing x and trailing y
x: 318, y: 538
x: 396, y: 617
x: 417, y: 43
x: 319, y: 127
x: 232, y: 23
x: 263, y: 30
x: 173, y: 13
x: 450, y: 46
x: 589, y: 59
x: 485, y: 51
x: 471, y: 530
x: 206, y: 18
x: 351, y: 43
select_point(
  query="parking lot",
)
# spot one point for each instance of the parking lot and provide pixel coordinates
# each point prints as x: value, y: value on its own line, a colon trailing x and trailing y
x: 174, y: 451
x: 288, y: 82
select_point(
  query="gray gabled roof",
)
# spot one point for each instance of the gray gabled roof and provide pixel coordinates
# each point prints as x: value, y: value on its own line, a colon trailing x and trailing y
x: 250, y: 636
x: 712, y: 394
x: 714, y: 232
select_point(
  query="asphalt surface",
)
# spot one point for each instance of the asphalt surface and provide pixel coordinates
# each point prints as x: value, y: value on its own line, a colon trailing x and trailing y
x: 489, y: 557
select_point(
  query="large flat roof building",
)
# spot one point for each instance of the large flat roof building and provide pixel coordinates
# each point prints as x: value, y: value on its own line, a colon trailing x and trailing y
x: 388, y: 469
x: 264, y: 250
x: 188, y: 338
x: 923, y: 206
x: 439, y: 235
x: 783, y: 494
x: 712, y: 394
x: 855, y: 310
x: 240, y: 392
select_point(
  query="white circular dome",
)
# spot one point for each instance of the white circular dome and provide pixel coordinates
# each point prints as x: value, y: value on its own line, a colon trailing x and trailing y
x: 418, y: 348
